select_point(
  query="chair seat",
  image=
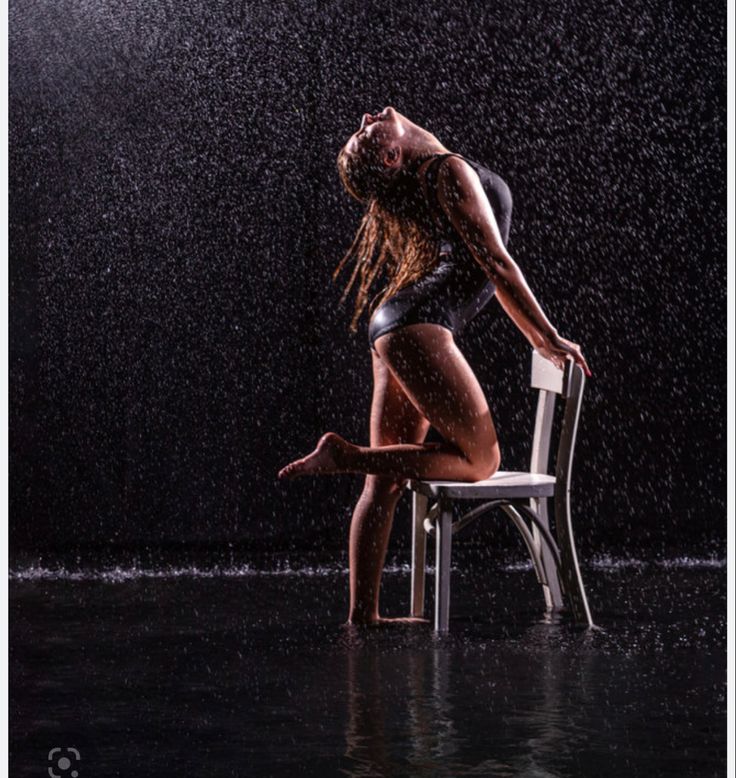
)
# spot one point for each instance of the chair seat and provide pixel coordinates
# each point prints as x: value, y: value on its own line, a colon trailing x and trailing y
x: 502, y: 485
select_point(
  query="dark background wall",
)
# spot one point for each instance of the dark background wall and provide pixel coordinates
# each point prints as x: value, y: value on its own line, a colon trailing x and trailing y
x: 175, y: 216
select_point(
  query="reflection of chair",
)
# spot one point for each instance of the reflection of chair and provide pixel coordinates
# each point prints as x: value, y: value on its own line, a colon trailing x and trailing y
x: 521, y: 496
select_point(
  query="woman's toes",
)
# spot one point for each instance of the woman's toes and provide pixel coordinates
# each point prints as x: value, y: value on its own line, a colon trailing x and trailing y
x: 327, y: 458
x: 286, y: 471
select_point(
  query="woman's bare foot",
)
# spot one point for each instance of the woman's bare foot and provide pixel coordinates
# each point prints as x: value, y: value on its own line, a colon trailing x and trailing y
x: 327, y: 457
x: 381, y: 621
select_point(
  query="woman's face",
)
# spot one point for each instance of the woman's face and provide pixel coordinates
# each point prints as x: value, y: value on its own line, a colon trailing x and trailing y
x: 378, y: 131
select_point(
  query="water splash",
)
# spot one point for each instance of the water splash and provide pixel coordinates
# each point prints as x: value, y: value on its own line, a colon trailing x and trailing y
x: 288, y: 568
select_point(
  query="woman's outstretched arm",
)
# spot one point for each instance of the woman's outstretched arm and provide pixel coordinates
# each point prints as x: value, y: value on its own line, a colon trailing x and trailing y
x: 462, y: 197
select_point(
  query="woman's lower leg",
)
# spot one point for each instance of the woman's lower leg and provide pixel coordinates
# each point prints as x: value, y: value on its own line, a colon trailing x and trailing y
x: 426, y: 461
x: 423, y: 461
x: 369, y: 534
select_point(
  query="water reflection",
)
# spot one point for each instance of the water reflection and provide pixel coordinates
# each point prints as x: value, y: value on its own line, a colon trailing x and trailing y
x: 246, y: 669
x: 453, y: 707
x: 395, y: 718
x: 550, y: 729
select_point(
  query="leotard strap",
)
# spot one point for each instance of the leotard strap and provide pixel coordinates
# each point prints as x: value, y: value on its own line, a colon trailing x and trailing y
x: 428, y: 183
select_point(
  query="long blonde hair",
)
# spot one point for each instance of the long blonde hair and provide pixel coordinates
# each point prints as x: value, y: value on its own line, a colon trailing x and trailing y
x: 396, y: 234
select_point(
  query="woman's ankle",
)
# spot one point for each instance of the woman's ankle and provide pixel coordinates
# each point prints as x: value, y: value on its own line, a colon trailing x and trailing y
x: 363, y: 616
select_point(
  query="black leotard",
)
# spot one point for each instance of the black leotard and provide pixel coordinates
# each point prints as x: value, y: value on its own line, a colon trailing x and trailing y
x: 457, y: 288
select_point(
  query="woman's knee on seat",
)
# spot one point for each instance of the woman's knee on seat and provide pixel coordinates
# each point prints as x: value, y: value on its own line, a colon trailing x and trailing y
x: 486, y: 464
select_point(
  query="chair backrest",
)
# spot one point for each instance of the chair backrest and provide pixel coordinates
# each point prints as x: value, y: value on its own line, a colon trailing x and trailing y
x: 552, y: 383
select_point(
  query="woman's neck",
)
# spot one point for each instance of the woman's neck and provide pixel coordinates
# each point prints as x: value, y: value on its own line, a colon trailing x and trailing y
x: 415, y: 156
x: 421, y: 145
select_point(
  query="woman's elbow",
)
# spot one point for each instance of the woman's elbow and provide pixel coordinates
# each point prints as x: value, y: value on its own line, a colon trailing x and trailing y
x: 497, y: 268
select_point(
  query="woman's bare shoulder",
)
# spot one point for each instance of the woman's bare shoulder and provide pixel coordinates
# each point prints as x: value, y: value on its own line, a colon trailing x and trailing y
x: 455, y: 167
x: 441, y: 169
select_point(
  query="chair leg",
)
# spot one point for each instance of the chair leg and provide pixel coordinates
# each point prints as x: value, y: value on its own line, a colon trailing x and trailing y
x: 418, y: 552
x: 528, y: 537
x: 552, y: 588
x: 442, y: 572
x: 570, y: 572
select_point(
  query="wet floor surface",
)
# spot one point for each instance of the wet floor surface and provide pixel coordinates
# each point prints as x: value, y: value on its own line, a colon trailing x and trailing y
x: 247, y: 671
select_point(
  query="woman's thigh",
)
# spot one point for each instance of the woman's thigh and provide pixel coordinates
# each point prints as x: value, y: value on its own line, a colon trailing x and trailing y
x: 438, y: 381
x: 394, y: 418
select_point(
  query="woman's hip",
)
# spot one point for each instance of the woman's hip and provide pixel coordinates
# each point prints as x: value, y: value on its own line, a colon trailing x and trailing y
x: 416, y: 306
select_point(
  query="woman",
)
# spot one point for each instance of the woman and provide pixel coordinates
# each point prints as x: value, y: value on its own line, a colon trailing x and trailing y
x: 436, y: 224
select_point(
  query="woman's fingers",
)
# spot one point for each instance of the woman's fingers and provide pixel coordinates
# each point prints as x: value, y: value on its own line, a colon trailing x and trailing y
x: 573, y: 350
x: 559, y: 353
x: 580, y: 360
x: 585, y: 367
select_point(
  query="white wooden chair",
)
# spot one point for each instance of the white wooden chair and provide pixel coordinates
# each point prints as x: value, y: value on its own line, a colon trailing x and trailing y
x: 522, y: 496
